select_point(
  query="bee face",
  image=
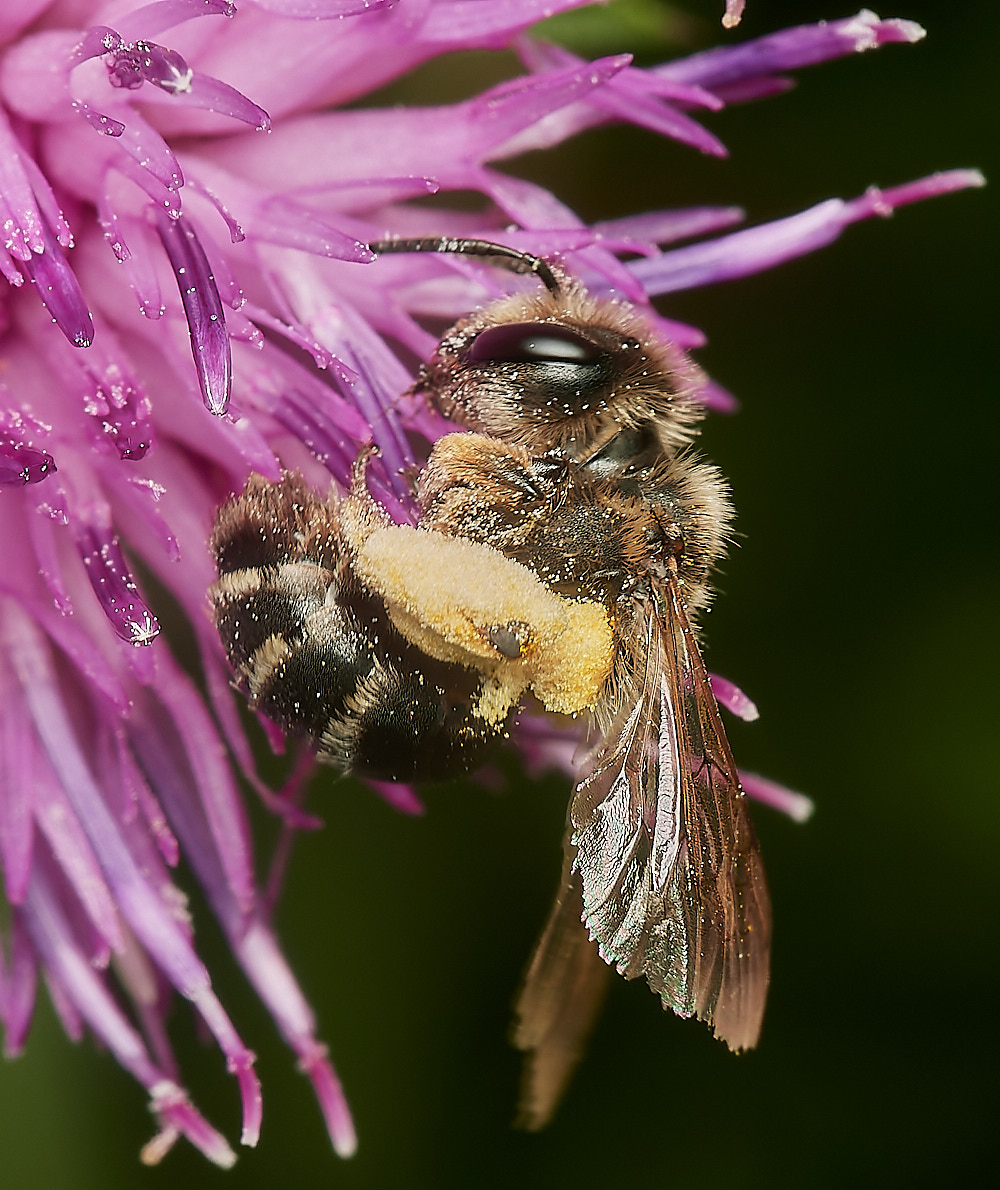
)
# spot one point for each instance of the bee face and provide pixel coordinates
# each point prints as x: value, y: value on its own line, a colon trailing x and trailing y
x: 564, y: 547
x: 562, y: 370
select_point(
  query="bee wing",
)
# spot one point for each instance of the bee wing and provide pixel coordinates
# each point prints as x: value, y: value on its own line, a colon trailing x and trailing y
x: 557, y: 1005
x: 672, y: 882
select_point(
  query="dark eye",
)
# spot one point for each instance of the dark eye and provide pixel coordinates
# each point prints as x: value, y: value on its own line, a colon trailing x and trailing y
x: 532, y: 342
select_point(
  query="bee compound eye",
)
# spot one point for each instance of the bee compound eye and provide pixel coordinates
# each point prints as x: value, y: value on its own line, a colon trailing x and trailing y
x: 533, y: 342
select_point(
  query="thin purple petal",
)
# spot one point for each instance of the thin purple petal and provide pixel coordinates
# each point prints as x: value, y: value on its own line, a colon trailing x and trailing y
x: 492, y: 23
x: 213, y: 95
x: 203, y: 309
x: 324, y: 10
x: 251, y: 941
x: 180, y: 711
x: 87, y: 657
x: 380, y: 379
x: 139, y: 903
x: 116, y: 402
x: 165, y: 198
x: 683, y: 335
x: 178, y: 1118
x: 311, y: 423
x: 748, y: 90
x: 114, y: 585
x: 633, y: 97
x: 797, y: 806
x: 137, y: 25
x: 282, y: 221
x: 789, y: 49
x: 17, y: 782
x: 720, y: 400
x: 665, y: 227
x: 96, y: 41
x: 24, y: 234
x: 53, y: 939
x: 729, y: 695
x: 67, y: 839
x: 102, y: 124
x: 515, y: 107
x: 268, y: 969
x: 744, y: 252
x: 137, y: 788
x: 875, y: 201
x: 153, y: 18
x: 121, y: 232
x: 20, y: 465
x: 151, y: 155
x: 770, y: 244
x: 352, y: 421
x: 18, y: 985
x: 402, y: 797
x: 42, y: 533
x: 60, y: 292
x: 70, y: 1016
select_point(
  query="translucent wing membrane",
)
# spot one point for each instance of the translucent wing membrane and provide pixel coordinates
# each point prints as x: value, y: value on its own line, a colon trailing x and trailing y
x: 662, y: 869
x: 672, y: 883
x: 558, y: 1004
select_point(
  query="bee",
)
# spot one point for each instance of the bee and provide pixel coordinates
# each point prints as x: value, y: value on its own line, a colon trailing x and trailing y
x: 564, y: 549
x: 403, y: 653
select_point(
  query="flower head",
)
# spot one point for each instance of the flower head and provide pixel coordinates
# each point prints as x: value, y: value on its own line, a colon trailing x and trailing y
x: 187, y: 204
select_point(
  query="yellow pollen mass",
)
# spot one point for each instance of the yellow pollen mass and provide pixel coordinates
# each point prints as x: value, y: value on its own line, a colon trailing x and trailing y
x: 463, y: 602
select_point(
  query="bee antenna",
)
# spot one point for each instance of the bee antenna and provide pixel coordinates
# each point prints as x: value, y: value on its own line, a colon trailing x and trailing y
x: 511, y: 259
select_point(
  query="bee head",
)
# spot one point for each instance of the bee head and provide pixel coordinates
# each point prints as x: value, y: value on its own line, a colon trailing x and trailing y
x: 555, y: 368
x: 562, y: 370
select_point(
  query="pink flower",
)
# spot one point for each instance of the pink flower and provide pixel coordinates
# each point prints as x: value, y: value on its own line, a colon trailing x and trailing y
x: 190, y: 297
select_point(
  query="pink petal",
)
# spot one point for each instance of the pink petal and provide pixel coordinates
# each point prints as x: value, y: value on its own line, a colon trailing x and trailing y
x: 796, y: 805
x: 202, y: 309
x: 770, y: 244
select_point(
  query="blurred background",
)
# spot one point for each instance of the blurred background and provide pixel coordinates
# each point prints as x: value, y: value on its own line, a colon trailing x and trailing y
x: 860, y: 613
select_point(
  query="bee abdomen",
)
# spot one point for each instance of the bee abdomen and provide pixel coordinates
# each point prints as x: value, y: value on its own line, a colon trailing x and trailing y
x: 272, y: 523
x: 253, y: 605
x: 317, y: 652
x: 400, y: 724
x: 302, y: 681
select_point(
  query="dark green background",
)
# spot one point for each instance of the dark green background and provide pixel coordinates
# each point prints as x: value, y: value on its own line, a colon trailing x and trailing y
x: 859, y: 612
